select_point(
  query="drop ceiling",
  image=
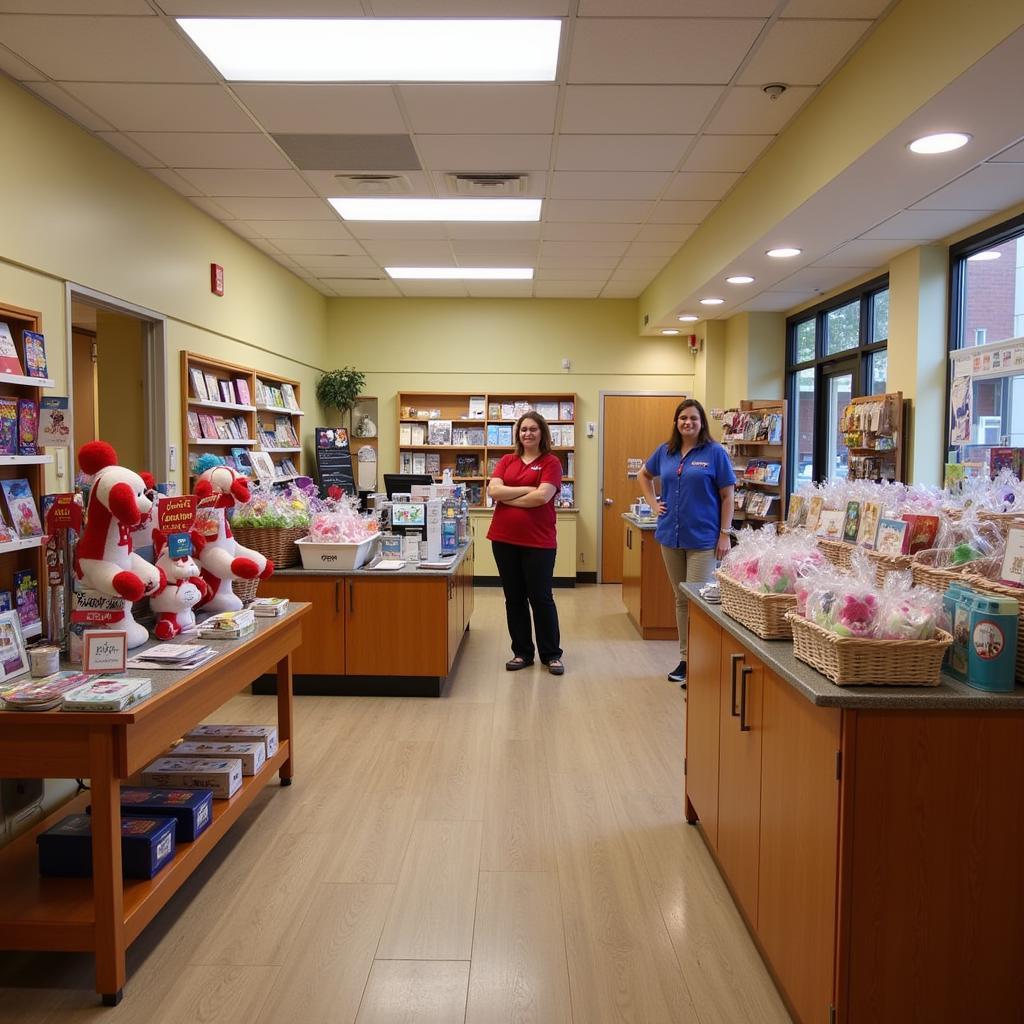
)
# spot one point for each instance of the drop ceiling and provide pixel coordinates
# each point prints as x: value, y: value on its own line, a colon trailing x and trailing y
x: 656, y: 114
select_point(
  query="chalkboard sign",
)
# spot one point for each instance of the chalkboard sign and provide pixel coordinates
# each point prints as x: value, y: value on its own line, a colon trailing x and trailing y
x: 334, y: 460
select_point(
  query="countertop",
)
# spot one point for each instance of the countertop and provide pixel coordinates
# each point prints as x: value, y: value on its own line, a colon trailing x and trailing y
x: 409, y: 569
x: 641, y: 524
x: 949, y: 695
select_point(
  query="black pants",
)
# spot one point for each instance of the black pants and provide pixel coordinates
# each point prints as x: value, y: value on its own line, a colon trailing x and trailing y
x: 526, y: 579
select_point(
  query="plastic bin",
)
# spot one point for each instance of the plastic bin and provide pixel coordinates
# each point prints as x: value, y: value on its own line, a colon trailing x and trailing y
x: 335, y: 557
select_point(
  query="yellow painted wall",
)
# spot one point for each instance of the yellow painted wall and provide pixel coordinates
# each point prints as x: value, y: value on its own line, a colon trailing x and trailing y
x: 483, y: 345
x: 119, y: 368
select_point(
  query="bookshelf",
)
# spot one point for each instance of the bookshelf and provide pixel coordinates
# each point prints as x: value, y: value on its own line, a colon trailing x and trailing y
x: 24, y: 554
x: 279, y: 423
x: 468, y: 432
x: 365, y: 417
x: 873, y: 430
x: 755, y: 435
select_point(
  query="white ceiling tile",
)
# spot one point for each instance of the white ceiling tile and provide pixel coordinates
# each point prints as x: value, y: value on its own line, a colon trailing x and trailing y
x: 608, y: 184
x: 20, y: 70
x: 128, y: 147
x: 375, y: 289
x: 770, y: 302
x: 726, y: 152
x: 815, y: 279
x: 168, y: 108
x: 622, y: 212
x: 76, y: 110
x: 467, y: 229
x: 471, y: 8
x: 831, y: 9
x: 278, y: 209
x: 243, y: 228
x: 747, y: 110
x: 573, y: 273
x: 502, y: 260
x: 487, y: 107
x: 802, y: 52
x: 621, y: 291
x: 931, y: 224
x: 469, y: 247
x: 411, y: 254
x: 576, y: 250
x: 237, y: 182
x: 1015, y: 154
x: 637, y: 50
x: 500, y: 289
x: 644, y: 262
x: 433, y: 289
x: 262, y: 8
x: 567, y: 289
x: 213, y: 149
x: 262, y: 244
x: 589, y: 232
x: 211, y: 208
x: 323, y: 109
x: 320, y: 246
x: 628, y: 275
x: 644, y: 109
x: 700, y: 185
x: 678, y: 233
x: 109, y: 49
x: 672, y: 8
x: 392, y: 230
x: 176, y: 181
x: 75, y: 7
x: 867, y: 254
x: 608, y: 263
x: 992, y: 186
x: 621, y: 152
x: 654, y: 250
x: 339, y: 266
x: 326, y: 182
x: 484, y: 153
x: 300, y: 228
x: 682, y: 211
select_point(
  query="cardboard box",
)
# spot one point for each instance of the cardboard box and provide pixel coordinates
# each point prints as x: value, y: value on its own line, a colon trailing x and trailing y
x: 65, y: 850
x: 236, y: 734
x: 221, y: 775
x: 252, y: 755
x: 192, y: 809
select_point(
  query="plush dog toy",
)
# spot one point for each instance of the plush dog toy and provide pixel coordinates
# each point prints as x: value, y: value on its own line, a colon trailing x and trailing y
x: 104, y: 560
x: 222, y: 558
x: 183, y: 588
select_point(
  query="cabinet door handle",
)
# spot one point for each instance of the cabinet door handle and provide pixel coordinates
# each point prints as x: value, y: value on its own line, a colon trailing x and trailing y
x: 736, y: 659
x: 744, y: 672
x: 351, y: 598
x: 629, y: 538
x: 337, y: 597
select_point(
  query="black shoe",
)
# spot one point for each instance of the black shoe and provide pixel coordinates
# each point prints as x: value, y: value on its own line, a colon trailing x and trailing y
x: 678, y: 674
x: 555, y: 667
x: 515, y: 664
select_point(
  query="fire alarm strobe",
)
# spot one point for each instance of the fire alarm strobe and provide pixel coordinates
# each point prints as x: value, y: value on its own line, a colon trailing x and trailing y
x: 216, y: 279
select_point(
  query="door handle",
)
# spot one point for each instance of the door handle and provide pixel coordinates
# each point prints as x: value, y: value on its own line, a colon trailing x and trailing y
x: 744, y: 672
x: 629, y: 538
x: 337, y: 597
x: 736, y: 659
x: 609, y: 501
x: 351, y: 598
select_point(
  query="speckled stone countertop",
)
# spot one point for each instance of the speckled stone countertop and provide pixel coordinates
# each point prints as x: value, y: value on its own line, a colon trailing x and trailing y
x: 409, y: 569
x: 949, y: 695
x: 640, y: 524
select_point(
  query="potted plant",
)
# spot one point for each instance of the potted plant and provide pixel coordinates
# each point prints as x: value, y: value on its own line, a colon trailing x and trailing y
x: 340, y: 389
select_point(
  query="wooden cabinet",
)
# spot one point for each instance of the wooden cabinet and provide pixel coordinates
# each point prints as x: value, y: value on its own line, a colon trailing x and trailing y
x: 566, y: 557
x: 646, y: 590
x: 323, y: 648
x: 703, y: 708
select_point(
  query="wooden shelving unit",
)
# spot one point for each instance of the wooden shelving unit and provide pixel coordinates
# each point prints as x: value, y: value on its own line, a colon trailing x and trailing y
x: 367, y: 410
x: 876, y: 455
x: 498, y: 414
x: 749, y: 452
x: 271, y: 392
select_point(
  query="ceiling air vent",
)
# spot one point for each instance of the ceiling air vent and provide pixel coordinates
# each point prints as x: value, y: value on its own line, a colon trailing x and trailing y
x: 373, y: 184
x: 486, y: 184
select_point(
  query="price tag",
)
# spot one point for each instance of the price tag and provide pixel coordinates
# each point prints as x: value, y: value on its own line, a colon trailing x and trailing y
x: 105, y: 650
x: 179, y: 545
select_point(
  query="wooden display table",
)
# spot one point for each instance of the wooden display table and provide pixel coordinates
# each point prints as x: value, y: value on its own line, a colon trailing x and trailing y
x: 646, y: 590
x: 105, y: 914
x: 870, y: 835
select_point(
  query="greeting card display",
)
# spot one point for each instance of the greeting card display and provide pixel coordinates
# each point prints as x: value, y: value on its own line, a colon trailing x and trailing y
x: 26, y: 597
x: 22, y: 506
x: 35, y: 354
x: 892, y: 536
x: 54, y: 430
x: 9, y: 361
x: 28, y: 427
x: 8, y: 426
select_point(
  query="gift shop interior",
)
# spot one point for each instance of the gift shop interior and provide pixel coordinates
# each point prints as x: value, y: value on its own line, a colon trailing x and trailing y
x: 278, y: 283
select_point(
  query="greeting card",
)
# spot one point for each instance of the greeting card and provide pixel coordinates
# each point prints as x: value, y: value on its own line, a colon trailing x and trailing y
x: 26, y: 597
x: 9, y: 361
x: 35, y: 353
x: 22, y: 506
x: 28, y: 427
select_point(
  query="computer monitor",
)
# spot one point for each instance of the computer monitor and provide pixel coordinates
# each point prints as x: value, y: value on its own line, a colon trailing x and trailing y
x: 402, y: 483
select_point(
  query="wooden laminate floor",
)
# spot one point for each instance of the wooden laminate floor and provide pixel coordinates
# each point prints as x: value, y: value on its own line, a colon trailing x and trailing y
x: 514, y: 853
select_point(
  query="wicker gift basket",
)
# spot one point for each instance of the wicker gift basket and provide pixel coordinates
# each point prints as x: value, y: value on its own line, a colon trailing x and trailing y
x: 761, y: 612
x: 931, y: 568
x: 851, y: 661
x: 885, y: 564
x: 838, y: 552
x: 245, y: 590
x: 1004, y: 521
x: 274, y: 542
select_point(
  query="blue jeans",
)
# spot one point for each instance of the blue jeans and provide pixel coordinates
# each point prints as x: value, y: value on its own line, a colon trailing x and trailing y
x: 526, y: 579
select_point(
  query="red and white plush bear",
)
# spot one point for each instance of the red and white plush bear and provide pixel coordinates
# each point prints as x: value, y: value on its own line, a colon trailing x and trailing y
x: 223, y: 559
x: 104, y: 560
x: 182, y: 591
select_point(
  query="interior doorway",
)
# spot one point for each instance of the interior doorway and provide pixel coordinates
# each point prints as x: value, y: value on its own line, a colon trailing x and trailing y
x: 632, y: 426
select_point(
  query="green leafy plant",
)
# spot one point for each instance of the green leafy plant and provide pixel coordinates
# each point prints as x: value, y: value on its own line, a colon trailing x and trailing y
x: 340, y: 389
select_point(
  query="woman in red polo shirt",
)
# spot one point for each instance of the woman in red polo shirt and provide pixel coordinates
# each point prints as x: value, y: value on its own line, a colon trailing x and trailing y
x: 522, y: 535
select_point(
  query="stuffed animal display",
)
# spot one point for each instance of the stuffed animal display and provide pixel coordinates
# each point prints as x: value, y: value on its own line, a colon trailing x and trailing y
x: 182, y: 590
x: 222, y: 558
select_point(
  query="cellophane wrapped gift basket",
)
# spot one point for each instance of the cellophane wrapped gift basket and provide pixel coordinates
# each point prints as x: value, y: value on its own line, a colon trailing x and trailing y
x: 272, y: 521
x: 340, y: 537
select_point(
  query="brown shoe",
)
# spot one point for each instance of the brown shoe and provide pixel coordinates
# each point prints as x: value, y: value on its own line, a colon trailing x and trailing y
x: 515, y: 664
x: 555, y: 667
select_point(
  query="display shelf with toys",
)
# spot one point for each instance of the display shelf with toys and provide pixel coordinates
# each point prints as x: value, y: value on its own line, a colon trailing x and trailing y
x: 873, y: 428
x: 754, y: 433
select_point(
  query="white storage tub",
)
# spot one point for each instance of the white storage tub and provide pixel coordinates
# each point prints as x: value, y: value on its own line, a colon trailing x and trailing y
x: 335, y: 557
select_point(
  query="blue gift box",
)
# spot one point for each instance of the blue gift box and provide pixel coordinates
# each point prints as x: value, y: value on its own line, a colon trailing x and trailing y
x: 65, y: 850
x: 192, y: 809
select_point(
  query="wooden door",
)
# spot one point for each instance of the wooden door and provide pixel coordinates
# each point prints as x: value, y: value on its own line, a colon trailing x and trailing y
x: 796, y: 903
x: 739, y: 772
x: 322, y: 652
x: 633, y: 425
x: 703, y: 684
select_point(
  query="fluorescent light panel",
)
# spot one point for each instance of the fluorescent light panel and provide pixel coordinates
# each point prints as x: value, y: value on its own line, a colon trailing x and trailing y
x: 378, y: 49
x: 381, y: 208
x: 460, y: 273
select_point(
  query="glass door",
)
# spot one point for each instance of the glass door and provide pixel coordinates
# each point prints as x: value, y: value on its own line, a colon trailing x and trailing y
x: 838, y: 386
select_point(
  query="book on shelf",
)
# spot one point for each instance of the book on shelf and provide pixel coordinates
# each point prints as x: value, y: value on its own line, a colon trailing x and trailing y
x: 405, y: 433
x: 198, y: 384
x: 26, y: 597
x: 508, y: 410
x: 772, y: 472
x: 432, y: 463
x: 28, y: 426
x: 467, y: 465
x: 22, y: 506
x: 212, y: 386
x: 195, y: 431
x: 563, y: 436
x: 6, y: 537
x: 566, y: 495
x: 227, y: 392
x: 8, y: 425
x: 476, y: 407
x: 570, y: 464
x: 9, y: 361
x: 242, y: 391
x: 494, y: 410
x: 405, y: 462
x: 34, y: 346
x: 549, y: 410
x: 284, y: 432
x: 492, y: 464
x: 419, y: 462
x: 288, y: 394
x: 418, y: 433
x: 439, y: 432
x: 567, y: 410
x: 240, y: 457
x: 261, y: 394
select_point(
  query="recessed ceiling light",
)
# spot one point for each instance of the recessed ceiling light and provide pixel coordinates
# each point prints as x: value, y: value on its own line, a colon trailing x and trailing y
x: 711, y: 302
x: 688, y: 318
x: 942, y: 142
x: 387, y: 208
x: 378, y: 49
x: 740, y: 279
x: 670, y: 330
x: 984, y: 257
x: 460, y: 273
x: 783, y: 253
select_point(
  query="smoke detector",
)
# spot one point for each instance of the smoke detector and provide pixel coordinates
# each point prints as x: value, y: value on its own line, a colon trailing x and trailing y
x: 486, y: 184
x: 774, y: 90
x: 373, y: 184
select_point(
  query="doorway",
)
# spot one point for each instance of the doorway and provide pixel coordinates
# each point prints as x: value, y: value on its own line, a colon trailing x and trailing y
x: 632, y: 426
x: 838, y: 386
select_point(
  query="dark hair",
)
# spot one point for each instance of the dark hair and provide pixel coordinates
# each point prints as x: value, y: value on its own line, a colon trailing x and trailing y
x: 675, y: 439
x: 545, y: 432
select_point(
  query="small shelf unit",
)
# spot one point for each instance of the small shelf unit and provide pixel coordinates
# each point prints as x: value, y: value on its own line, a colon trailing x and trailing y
x: 763, y: 500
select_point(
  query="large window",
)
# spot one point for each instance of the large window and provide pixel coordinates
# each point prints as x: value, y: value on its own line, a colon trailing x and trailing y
x: 987, y: 305
x: 836, y: 351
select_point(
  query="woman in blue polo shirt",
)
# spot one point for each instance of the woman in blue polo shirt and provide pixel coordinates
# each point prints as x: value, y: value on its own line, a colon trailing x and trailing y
x: 694, y: 508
